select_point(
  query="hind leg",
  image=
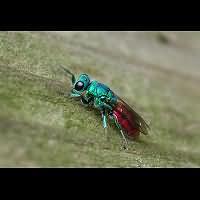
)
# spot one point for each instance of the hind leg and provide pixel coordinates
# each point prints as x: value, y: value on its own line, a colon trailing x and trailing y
x: 125, y: 143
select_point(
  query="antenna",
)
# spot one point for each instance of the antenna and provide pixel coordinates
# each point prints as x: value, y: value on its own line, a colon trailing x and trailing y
x: 68, y: 72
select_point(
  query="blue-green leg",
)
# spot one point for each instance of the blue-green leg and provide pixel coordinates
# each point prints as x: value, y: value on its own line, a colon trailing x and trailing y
x: 99, y: 104
x: 71, y: 94
x: 74, y: 95
x: 104, y: 119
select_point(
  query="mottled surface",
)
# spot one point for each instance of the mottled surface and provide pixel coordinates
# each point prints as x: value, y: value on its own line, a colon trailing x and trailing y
x: 158, y: 73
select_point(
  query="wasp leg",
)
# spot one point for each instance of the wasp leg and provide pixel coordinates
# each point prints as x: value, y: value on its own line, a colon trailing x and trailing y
x: 103, y: 115
x: 84, y: 102
x: 125, y: 143
x: 98, y: 103
x: 125, y: 146
x: 104, y: 119
x: 107, y: 106
x: 74, y: 95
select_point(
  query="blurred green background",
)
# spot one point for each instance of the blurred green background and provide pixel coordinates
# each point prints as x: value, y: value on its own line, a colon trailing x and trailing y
x: 157, y: 73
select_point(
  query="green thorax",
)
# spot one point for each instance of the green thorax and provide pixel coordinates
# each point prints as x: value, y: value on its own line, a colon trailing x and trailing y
x: 97, y: 90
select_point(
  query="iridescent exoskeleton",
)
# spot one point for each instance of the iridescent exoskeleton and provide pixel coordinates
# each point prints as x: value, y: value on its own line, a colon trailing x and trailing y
x: 92, y: 92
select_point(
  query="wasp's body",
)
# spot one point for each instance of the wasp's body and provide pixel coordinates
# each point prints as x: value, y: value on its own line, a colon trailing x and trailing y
x: 92, y: 92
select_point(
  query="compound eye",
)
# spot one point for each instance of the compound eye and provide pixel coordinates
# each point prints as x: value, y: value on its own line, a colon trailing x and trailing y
x: 79, y: 86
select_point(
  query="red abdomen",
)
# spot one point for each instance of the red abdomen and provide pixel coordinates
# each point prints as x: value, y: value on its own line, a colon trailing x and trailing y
x: 126, y: 120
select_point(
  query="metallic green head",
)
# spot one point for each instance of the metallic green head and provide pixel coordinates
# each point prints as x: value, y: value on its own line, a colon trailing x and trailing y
x: 81, y: 84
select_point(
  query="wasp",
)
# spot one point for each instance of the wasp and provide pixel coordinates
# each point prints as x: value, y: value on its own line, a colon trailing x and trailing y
x: 99, y: 95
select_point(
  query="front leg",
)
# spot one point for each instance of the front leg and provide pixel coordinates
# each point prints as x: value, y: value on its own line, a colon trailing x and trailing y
x: 84, y: 101
x: 74, y: 95
x: 71, y: 94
